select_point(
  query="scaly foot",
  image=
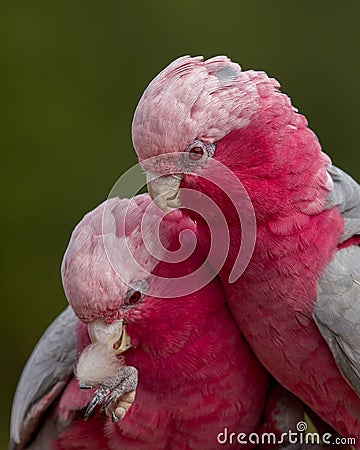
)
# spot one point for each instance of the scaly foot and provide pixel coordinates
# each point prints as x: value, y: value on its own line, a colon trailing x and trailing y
x: 116, y: 394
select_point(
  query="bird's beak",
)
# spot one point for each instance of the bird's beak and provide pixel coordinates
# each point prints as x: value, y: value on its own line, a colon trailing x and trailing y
x: 113, y: 335
x: 164, y: 190
x: 100, y: 359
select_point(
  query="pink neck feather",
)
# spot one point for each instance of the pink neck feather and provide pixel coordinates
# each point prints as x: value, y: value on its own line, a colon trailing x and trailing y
x: 280, y: 163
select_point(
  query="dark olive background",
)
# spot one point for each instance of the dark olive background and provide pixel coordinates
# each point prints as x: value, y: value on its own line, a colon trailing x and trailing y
x: 71, y: 75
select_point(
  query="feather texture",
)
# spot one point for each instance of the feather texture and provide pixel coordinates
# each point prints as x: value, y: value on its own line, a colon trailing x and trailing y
x: 196, y: 373
x: 306, y: 210
x: 337, y: 311
x: 345, y: 196
x: 45, y: 375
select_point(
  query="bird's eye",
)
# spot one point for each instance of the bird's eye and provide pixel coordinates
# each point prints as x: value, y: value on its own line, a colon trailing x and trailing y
x: 134, y: 298
x: 135, y: 294
x: 196, y: 153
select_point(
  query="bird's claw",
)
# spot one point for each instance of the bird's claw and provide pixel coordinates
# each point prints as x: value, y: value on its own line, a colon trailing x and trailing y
x: 85, y: 386
x: 114, y: 417
x: 98, y: 397
x: 115, y: 395
x: 110, y: 399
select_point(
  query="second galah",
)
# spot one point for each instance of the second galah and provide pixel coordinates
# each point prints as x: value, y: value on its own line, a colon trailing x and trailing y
x: 195, y: 374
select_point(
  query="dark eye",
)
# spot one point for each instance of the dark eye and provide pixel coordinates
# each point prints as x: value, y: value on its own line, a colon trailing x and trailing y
x: 134, y: 298
x: 196, y: 153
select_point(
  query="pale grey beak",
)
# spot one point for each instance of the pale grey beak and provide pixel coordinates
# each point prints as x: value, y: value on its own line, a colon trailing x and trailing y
x: 99, y: 360
x: 164, y: 190
x: 112, y: 336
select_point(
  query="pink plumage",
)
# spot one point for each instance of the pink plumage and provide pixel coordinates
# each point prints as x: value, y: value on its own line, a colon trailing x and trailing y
x: 303, y: 206
x: 196, y: 374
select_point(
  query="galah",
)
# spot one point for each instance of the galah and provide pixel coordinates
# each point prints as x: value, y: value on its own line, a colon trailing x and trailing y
x: 195, y: 374
x: 297, y: 301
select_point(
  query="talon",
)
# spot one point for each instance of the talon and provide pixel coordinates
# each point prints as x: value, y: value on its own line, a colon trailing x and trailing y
x: 110, y: 409
x: 85, y: 386
x: 107, y: 402
x: 120, y: 387
x: 114, y: 417
x: 91, y: 406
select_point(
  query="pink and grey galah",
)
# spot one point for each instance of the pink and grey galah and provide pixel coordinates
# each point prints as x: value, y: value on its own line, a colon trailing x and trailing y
x: 151, y: 372
x: 297, y: 301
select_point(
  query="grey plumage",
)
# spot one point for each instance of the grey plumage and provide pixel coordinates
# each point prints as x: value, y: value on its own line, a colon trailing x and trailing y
x: 49, y: 368
x: 337, y: 310
x: 345, y: 195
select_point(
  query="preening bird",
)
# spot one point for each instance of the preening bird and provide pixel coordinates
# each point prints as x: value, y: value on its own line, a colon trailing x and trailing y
x: 298, y: 300
x: 192, y: 372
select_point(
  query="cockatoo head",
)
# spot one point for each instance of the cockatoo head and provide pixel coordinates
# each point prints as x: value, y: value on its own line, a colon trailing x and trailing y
x: 122, y: 271
x: 198, y: 118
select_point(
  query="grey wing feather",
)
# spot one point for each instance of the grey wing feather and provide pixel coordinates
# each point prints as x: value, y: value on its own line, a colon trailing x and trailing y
x: 337, y: 312
x: 345, y: 195
x: 49, y: 367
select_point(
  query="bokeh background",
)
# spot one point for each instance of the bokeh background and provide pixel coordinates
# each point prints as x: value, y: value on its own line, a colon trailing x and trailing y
x: 71, y: 74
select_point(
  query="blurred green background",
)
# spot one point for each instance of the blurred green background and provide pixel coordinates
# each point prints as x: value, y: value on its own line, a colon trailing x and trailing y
x: 71, y: 75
